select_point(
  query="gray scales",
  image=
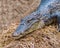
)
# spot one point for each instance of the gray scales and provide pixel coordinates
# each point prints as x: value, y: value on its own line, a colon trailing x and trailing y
x: 47, y: 12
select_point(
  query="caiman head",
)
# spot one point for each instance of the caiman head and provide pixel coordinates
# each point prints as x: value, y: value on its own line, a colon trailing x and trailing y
x: 30, y: 24
x: 27, y: 25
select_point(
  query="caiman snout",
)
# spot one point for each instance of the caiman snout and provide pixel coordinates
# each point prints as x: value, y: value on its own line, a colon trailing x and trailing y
x: 26, y: 24
x: 20, y: 30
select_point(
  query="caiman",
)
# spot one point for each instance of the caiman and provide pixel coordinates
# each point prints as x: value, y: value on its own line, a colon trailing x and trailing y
x: 47, y: 12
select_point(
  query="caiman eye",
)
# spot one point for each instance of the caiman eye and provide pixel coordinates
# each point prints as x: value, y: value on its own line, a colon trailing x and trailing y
x: 30, y: 20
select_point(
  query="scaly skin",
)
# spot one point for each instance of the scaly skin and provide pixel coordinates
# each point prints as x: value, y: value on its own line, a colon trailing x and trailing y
x: 47, y: 12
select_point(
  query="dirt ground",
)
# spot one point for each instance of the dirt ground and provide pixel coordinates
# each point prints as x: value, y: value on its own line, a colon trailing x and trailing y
x: 10, y: 11
x: 47, y: 37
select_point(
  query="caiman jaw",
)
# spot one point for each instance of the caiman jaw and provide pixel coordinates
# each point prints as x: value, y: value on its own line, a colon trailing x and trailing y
x: 34, y: 27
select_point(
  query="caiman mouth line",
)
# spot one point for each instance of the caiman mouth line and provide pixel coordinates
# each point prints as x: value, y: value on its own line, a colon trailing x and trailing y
x: 34, y: 27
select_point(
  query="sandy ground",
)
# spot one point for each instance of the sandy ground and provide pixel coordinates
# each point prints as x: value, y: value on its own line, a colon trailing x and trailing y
x: 47, y: 37
x: 11, y: 11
